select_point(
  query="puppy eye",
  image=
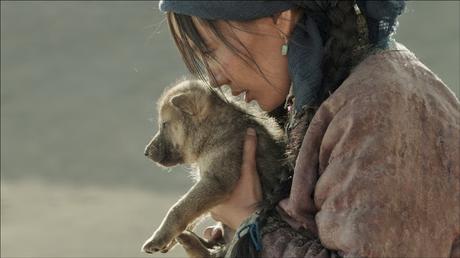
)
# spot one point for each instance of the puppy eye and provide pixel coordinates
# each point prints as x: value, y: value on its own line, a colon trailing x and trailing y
x: 164, y: 124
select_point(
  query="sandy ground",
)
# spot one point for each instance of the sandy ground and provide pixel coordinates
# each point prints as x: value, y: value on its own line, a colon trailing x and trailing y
x: 78, y: 85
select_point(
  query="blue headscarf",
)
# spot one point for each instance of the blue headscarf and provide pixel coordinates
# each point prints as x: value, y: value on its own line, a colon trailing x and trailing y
x: 306, y: 42
x: 381, y: 18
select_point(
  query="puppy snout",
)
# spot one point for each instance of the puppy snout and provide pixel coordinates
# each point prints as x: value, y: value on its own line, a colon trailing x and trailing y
x: 153, y: 151
x: 150, y: 150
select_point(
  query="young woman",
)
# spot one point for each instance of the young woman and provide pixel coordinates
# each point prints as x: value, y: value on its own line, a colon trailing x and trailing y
x: 373, y: 133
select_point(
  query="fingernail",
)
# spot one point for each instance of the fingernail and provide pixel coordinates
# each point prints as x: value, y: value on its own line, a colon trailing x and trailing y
x: 214, y: 232
x: 251, y: 131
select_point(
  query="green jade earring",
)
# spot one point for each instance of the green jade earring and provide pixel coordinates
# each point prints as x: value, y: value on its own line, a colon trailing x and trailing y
x: 284, y: 47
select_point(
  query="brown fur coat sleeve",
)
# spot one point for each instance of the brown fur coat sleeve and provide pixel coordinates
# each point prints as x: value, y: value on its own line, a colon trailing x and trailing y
x: 385, y: 150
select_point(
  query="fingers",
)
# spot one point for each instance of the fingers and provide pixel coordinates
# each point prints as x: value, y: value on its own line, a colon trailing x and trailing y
x: 249, y: 184
x: 213, y: 233
x: 247, y: 192
x: 249, y: 150
x: 192, y: 245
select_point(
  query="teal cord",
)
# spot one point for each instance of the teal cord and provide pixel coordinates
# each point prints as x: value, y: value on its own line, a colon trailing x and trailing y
x: 253, y: 230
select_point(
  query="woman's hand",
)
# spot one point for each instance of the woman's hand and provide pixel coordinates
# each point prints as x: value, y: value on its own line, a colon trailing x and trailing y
x: 247, y: 193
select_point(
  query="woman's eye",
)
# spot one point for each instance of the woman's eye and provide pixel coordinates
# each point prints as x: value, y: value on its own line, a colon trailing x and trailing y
x: 208, y: 52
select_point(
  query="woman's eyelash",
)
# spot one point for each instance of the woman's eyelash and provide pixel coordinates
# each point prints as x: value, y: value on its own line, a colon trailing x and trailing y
x: 208, y: 51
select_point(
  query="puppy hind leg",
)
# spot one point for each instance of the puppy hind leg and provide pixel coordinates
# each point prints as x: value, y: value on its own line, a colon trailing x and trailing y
x: 193, y: 245
x: 197, y: 247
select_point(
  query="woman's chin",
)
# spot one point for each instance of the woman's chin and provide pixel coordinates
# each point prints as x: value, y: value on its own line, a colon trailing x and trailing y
x: 248, y: 98
x: 267, y: 107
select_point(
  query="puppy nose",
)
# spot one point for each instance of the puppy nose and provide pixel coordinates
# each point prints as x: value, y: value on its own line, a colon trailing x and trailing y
x: 146, y: 151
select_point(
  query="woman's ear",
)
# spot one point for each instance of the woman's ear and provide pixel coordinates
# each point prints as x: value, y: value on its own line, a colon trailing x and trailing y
x: 285, y: 21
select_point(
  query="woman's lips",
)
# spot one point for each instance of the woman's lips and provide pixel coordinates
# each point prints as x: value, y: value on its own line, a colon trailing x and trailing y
x: 237, y: 93
x: 246, y: 95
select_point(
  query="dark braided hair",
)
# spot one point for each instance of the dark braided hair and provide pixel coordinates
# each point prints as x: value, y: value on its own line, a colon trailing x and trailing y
x: 345, y: 46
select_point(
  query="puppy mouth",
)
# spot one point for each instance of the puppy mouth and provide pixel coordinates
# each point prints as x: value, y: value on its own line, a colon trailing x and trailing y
x: 164, y: 155
x: 168, y: 163
x: 167, y: 160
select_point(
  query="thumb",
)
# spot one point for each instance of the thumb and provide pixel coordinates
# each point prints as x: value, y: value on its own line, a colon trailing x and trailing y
x: 249, y: 150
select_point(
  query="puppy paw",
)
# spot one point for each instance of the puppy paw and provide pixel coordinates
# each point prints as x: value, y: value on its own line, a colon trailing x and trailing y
x: 157, y: 244
x: 193, y: 245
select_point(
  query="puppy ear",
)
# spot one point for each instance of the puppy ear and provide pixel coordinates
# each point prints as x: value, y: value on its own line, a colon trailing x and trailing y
x: 185, y: 103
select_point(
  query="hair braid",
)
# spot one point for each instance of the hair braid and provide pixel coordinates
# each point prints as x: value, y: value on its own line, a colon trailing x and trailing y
x: 345, y: 47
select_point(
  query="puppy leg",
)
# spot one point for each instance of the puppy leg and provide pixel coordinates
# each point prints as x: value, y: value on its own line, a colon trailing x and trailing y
x: 204, y: 195
x: 190, y: 228
x: 197, y: 247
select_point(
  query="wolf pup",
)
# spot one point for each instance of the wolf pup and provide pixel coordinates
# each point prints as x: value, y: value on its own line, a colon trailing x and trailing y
x: 197, y: 126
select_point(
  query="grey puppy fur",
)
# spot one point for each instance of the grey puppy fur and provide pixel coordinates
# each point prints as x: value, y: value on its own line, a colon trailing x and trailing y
x: 197, y: 126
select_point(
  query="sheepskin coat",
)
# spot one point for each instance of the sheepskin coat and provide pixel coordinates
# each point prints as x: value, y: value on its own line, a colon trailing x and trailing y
x: 379, y: 167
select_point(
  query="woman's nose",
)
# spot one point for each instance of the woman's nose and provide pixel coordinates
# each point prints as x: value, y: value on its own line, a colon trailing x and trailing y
x: 220, y: 80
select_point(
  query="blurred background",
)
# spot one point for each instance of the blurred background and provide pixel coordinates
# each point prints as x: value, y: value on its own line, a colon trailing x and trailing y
x: 79, y: 81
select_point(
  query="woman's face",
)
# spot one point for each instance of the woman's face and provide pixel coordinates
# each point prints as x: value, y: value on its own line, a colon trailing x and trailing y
x: 262, y: 72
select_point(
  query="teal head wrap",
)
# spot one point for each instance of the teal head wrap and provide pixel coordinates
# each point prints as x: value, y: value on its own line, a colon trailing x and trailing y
x: 306, y: 43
